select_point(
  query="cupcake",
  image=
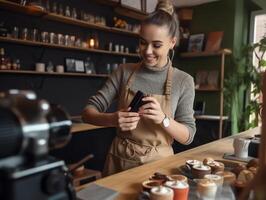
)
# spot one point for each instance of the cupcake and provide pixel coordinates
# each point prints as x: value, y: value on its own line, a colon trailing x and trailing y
x: 215, y: 166
x: 198, y: 171
x: 191, y: 163
x: 178, y: 177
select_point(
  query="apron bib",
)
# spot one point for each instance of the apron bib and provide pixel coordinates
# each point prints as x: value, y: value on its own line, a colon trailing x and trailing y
x: 148, y: 142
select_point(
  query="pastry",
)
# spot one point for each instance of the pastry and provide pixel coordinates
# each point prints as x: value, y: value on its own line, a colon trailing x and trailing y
x: 253, y: 163
x: 159, y: 177
x: 206, y: 160
x: 239, y: 186
x: 238, y: 168
x: 245, y: 176
x: 215, y: 166
x: 253, y: 170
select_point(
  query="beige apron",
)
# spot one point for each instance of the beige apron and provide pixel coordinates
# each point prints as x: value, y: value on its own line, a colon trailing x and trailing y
x: 148, y: 142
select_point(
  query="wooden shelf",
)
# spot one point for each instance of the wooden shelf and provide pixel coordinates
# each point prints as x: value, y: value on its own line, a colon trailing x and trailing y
x: 48, y: 45
x: 130, y: 12
x: 123, y: 10
x: 210, y: 117
x: 51, y: 73
x: 207, y: 89
x: 8, y: 5
x: 81, y: 23
x: 205, y: 53
x: 59, y: 18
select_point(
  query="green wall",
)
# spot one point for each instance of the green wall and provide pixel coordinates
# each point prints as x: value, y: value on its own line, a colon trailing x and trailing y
x: 216, y: 16
x: 261, y: 3
x: 232, y: 17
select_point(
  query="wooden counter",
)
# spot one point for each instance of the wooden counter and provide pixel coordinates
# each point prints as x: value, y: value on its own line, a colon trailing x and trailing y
x: 80, y: 127
x: 128, y: 183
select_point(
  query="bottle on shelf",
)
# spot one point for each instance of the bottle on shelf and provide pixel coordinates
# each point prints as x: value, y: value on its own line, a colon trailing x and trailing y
x: 89, y: 66
x: 3, y: 59
x: 50, y: 67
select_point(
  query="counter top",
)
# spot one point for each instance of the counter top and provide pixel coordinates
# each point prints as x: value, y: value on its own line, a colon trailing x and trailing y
x: 128, y: 183
x: 80, y: 127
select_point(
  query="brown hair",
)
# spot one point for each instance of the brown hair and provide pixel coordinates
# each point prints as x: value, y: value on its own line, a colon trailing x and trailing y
x: 164, y: 15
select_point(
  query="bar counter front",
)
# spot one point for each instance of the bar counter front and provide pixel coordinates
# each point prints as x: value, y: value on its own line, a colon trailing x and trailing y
x: 128, y: 183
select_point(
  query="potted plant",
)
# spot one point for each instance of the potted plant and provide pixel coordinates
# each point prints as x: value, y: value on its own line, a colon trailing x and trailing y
x: 243, y: 87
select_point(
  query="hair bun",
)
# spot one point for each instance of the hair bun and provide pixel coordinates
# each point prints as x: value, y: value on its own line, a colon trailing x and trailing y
x: 166, y: 6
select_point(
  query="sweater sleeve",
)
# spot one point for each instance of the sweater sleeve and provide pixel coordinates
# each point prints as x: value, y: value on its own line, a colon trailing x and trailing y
x: 184, y: 113
x: 108, y: 93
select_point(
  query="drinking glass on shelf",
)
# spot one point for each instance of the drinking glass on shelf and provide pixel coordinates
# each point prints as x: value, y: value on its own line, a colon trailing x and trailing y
x: 54, y: 7
x: 52, y: 38
x: 78, y: 42
x: 61, y: 9
x: 24, y: 34
x: 72, y: 40
x: 34, y: 34
x: 60, y: 39
x: 47, y: 6
x: 67, y: 12
x: 44, y: 37
x: 15, y: 32
x: 74, y: 13
x: 67, y: 40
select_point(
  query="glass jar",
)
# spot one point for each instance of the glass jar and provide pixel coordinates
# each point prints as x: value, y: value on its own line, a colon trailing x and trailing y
x: 24, y: 34
x: 15, y: 32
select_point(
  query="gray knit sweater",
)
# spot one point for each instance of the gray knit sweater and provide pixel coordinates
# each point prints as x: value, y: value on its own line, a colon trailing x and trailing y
x: 151, y: 81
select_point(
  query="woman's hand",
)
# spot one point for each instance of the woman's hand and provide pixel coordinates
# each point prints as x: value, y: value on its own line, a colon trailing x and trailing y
x: 152, y: 110
x: 127, y: 120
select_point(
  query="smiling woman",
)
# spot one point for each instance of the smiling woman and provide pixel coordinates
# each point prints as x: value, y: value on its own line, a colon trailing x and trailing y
x: 167, y: 110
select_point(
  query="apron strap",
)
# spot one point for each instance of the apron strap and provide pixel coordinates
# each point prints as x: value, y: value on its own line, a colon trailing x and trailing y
x: 168, y: 83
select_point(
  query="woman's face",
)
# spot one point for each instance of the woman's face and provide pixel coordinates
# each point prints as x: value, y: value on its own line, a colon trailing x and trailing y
x: 155, y: 43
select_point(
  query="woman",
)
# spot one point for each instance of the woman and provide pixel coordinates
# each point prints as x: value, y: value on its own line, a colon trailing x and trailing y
x: 167, y: 114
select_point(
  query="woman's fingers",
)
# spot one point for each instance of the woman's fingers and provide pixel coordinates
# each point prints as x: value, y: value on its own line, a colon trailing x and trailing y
x: 128, y: 126
x: 129, y: 119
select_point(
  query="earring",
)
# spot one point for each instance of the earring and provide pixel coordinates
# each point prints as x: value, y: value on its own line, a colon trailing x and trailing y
x: 172, y: 54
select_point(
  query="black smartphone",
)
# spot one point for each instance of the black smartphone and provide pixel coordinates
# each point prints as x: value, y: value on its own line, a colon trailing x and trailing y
x: 137, y: 102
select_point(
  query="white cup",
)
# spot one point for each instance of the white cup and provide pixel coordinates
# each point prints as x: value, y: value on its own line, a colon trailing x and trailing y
x: 40, y: 67
x: 59, y: 68
x: 241, y: 147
